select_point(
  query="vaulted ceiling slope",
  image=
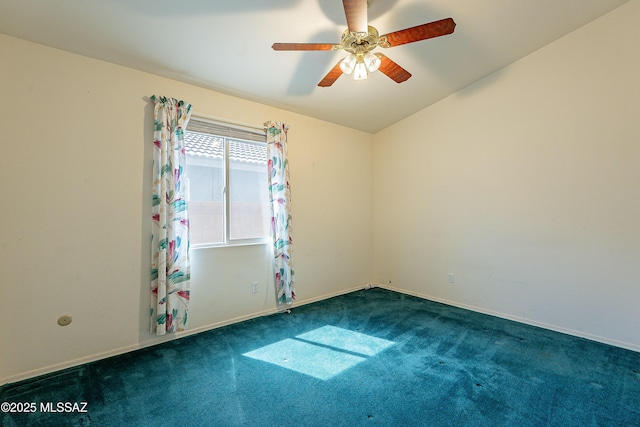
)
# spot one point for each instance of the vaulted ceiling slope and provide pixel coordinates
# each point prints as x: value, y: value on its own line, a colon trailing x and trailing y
x: 226, y: 45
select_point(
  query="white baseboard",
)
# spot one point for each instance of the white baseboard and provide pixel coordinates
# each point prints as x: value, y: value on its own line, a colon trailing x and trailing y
x: 555, y: 328
x: 282, y: 307
x: 169, y: 337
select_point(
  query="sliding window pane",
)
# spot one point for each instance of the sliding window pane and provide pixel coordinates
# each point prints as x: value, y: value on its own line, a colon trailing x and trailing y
x: 249, y: 210
x: 206, y: 195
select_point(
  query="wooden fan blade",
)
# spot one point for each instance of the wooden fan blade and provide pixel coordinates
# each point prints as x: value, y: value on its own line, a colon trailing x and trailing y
x: 304, y: 46
x: 392, y: 70
x: 356, y: 13
x: 332, y: 76
x: 419, y: 32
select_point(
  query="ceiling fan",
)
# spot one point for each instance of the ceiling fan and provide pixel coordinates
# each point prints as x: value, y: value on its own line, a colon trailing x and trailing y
x: 360, y: 39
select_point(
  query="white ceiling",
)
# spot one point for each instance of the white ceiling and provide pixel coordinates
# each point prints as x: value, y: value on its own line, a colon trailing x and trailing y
x: 226, y: 45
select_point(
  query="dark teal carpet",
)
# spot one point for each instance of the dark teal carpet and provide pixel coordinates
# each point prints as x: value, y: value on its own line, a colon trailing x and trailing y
x: 369, y: 358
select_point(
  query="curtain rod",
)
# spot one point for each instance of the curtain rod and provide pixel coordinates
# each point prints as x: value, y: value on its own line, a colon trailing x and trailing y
x: 219, y: 120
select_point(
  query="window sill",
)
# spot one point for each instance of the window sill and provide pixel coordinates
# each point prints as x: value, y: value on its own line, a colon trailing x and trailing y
x: 229, y: 245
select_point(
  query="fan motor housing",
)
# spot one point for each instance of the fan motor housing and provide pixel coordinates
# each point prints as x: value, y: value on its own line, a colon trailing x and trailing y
x: 360, y: 42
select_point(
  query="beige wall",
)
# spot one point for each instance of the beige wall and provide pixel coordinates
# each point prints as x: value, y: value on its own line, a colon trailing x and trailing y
x: 75, y: 165
x: 525, y: 185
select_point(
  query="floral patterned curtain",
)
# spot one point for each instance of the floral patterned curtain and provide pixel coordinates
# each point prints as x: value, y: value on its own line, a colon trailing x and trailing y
x: 280, y: 197
x: 170, y: 270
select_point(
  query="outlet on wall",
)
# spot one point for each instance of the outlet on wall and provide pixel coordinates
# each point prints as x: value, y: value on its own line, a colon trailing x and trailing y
x: 254, y: 287
x: 452, y: 278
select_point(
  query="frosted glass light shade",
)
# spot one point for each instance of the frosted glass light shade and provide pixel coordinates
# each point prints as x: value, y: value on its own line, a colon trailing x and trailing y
x: 371, y: 61
x: 360, y: 71
x: 347, y: 64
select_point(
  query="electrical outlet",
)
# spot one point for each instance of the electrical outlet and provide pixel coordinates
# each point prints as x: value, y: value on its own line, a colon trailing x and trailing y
x: 452, y: 278
x: 254, y: 287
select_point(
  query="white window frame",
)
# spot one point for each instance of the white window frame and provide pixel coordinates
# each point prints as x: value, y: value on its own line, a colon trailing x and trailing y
x: 227, y: 132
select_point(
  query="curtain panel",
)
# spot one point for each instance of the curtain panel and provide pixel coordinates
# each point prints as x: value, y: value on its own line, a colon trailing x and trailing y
x: 170, y: 269
x: 280, y: 198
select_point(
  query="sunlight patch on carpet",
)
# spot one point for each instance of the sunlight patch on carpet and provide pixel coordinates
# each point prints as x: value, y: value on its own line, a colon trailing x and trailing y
x: 346, y: 340
x: 322, y: 353
x: 318, y: 362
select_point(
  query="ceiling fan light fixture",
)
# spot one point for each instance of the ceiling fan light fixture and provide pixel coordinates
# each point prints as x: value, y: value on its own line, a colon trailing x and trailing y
x: 348, y: 64
x: 371, y: 61
x: 360, y: 39
x: 360, y: 71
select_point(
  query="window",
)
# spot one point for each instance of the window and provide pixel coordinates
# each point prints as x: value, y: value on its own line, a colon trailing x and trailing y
x: 227, y: 190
